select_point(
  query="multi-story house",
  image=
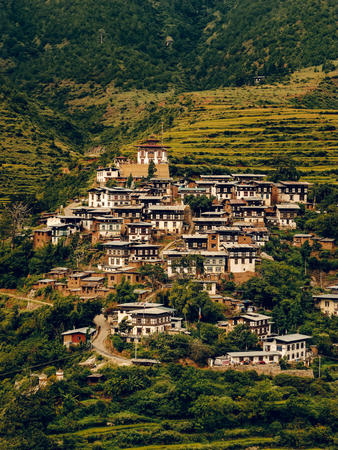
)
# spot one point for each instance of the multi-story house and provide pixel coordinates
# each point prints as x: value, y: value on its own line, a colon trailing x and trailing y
x: 253, y: 214
x: 144, y: 254
x: 327, y: 303
x: 149, y: 200
x: 183, y: 192
x: 244, y: 191
x: 259, y: 236
x: 106, y: 227
x: 162, y: 185
x: 180, y: 263
x: 286, y: 214
x: 195, y: 241
x: 151, y: 150
x: 121, y: 254
x: 62, y: 231
x: 170, y: 219
x: 130, y: 213
x: 292, y: 191
x: 139, y: 231
x: 87, y: 215
x: 291, y: 346
x: 214, y: 263
x: 234, y: 207
x: 117, y: 254
x: 108, y: 197
x: 260, y: 324
x: 223, y: 191
x: 241, y: 257
x: 143, y: 319
x: 264, y: 191
x: 203, y: 224
x: 104, y: 174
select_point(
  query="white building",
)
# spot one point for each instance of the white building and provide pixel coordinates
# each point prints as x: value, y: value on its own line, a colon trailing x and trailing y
x: 152, y: 150
x: 168, y: 218
x: 215, y: 263
x: 108, y: 197
x: 251, y: 357
x: 104, y: 174
x: 286, y: 214
x: 241, y: 257
x: 292, y: 191
x: 144, y: 319
x: 291, y: 346
x: 180, y: 263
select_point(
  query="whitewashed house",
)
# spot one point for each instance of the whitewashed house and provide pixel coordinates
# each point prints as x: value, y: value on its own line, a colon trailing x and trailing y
x: 291, y: 346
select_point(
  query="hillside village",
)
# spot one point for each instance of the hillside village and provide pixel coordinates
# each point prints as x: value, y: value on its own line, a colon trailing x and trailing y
x: 152, y: 230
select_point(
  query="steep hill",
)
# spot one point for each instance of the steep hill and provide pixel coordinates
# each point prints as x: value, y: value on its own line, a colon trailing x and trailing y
x: 82, y: 74
x: 147, y: 44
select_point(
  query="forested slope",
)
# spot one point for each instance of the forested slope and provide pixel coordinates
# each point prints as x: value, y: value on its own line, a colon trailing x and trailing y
x: 146, y: 44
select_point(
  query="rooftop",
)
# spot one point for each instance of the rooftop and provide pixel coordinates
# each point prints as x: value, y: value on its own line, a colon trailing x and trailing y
x: 83, y: 330
x: 168, y: 208
x: 252, y: 353
x: 292, y: 337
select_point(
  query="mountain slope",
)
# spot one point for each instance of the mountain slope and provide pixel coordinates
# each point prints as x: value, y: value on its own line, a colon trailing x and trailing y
x: 147, y: 44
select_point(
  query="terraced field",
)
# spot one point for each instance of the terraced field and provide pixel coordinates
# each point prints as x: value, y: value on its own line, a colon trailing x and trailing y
x: 244, y: 128
x: 29, y: 149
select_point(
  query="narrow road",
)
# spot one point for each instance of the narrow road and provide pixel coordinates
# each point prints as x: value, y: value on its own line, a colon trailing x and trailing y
x: 26, y: 299
x: 67, y: 210
x: 99, y: 342
x: 166, y: 247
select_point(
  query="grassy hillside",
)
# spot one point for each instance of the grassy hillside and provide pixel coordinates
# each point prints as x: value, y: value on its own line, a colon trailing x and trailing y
x: 244, y: 128
x: 35, y: 141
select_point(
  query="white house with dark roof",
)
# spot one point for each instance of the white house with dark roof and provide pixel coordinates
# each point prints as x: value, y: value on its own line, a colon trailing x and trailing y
x: 168, y: 218
x: 143, y: 319
x: 286, y: 214
x: 292, y: 191
x: 327, y: 303
x: 291, y: 346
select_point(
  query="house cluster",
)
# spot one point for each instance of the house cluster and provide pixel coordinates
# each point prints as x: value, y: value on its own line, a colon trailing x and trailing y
x: 134, y: 224
x: 290, y: 347
x: 249, y: 198
x: 134, y: 320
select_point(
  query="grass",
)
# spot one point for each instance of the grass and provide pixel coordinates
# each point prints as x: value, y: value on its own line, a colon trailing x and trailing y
x: 241, y: 443
x: 245, y: 127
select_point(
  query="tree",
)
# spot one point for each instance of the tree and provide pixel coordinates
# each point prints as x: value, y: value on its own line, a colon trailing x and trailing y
x: 17, y: 214
x: 285, y: 169
x: 130, y: 180
x: 124, y: 293
x: 190, y: 300
x: 198, y: 204
x: 151, y: 170
x: 155, y: 273
x: 239, y: 339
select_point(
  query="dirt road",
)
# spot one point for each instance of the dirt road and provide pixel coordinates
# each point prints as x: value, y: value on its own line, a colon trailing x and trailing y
x: 99, y: 342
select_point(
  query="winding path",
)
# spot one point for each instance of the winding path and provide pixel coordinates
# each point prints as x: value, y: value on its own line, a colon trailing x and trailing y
x: 99, y: 342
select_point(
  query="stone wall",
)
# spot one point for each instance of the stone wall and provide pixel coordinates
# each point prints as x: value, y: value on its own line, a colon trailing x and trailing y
x: 267, y: 369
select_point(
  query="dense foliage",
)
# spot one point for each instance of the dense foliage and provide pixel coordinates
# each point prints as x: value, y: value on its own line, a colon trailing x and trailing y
x: 169, y: 405
x: 203, y: 43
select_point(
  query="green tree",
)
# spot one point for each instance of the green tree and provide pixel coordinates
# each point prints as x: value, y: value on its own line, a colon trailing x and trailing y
x: 286, y: 169
x: 151, y: 170
x: 198, y: 204
x: 190, y: 300
x: 155, y: 273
